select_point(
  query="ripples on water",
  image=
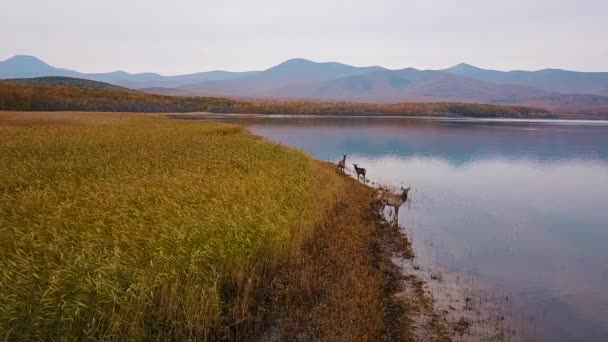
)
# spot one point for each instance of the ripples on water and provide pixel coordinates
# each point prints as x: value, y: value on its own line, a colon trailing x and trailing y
x: 521, y: 205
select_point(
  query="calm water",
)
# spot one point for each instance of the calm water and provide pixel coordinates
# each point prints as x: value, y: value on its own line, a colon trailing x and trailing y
x: 521, y: 205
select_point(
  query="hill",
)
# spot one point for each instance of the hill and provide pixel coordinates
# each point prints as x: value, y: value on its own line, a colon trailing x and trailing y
x: 29, y: 66
x: 273, y: 81
x: 553, y: 80
x: 62, y: 81
x: 407, y: 85
x: 28, y: 97
x: 21, y: 66
x: 412, y: 85
x: 577, y: 94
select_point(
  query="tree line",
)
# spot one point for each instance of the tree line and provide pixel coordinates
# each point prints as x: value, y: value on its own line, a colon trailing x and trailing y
x: 31, y: 97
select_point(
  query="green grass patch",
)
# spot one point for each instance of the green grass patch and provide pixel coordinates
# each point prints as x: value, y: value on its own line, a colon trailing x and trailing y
x: 118, y: 226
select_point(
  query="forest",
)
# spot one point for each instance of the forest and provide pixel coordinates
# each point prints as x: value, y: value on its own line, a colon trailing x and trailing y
x: 64, y: 94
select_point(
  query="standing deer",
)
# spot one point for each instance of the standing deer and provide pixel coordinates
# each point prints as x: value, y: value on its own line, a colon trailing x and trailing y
x: 360, y: 172
x: 386, y: 197
x: 342, y: 163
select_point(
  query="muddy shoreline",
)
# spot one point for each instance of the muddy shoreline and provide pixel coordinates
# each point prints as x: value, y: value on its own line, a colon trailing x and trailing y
x: 426, y: 303
x: 358, y: 278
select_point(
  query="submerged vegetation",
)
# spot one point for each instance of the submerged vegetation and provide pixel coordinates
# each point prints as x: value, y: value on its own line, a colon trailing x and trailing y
x: 66, y: 94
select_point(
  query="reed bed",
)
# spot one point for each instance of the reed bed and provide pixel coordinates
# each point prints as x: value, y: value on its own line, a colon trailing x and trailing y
x: 126, y: 227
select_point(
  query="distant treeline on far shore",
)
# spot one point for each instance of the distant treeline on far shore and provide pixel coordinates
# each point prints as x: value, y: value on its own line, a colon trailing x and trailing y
x: 66, y: 94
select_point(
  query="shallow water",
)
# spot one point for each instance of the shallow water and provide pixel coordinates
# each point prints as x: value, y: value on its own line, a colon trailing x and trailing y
x: 519, y: 206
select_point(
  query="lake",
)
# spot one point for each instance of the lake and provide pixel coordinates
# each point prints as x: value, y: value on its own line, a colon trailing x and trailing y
x: 520, y: 206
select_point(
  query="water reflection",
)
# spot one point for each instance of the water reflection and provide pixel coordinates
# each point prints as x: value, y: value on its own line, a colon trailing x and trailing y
x: 535, y: 230
x: 456, y: 141
x: 520, y: 204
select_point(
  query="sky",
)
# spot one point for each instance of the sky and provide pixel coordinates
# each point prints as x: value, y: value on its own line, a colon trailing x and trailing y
x: 185, y: 36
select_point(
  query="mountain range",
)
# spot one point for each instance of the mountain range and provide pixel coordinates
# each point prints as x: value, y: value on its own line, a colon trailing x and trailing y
x: 579, y: 93
x: 22, y: 66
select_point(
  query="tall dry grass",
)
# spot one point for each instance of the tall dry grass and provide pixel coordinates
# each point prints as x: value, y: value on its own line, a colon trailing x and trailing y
x: 124, y: 227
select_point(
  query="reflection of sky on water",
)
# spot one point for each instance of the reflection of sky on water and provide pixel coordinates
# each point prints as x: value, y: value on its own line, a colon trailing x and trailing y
x: 537, y: 230
x: 457, y: 142
x: 521, y: 204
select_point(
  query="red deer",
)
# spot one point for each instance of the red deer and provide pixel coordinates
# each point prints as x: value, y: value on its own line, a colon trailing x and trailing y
x: 342, y: 163
x: 360, y: 172
x: 386, y: 197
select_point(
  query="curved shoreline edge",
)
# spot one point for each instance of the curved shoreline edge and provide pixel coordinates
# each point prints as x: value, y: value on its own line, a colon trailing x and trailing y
x: 416, y: 305
x: 137, y: 227
x: 210, y: 115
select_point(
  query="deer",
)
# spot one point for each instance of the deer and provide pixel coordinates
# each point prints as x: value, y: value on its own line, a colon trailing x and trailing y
x: 386, y: 197
x: 342, y: 163
x: 360, y: 172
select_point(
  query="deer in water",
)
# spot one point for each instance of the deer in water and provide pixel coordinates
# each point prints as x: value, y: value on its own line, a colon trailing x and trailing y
x: 360, y: 172
x: 342, y: 163
x: 386, y: 197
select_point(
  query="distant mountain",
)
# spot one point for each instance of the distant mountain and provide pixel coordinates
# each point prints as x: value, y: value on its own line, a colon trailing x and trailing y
x: 558, y: 90
x: 393, y: 86
x: 151, y: 80
x: 556, y: 80
x: 21, y: 66
x: 412, y: 85
x: 28, y: 66
x: 273, y: 81
x: 407, y: 85
x: 301, y: 70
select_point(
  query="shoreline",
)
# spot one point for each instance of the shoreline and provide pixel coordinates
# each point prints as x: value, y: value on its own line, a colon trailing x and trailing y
x: 435, y: 304
x: 210, y: 115
x: 418, y: 303
x: 334, y: 271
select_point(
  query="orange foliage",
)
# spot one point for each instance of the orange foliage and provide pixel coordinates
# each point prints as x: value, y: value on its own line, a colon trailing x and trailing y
x: 26, y: 97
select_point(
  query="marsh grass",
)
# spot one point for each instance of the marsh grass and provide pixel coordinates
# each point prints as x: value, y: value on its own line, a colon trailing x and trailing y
x: 125, y: 227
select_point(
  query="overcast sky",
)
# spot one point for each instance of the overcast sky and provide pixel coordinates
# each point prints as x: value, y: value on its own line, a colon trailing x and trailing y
x: 184, y: 36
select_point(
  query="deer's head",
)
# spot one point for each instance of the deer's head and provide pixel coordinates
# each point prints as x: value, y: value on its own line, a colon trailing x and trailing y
x: 405, y: 191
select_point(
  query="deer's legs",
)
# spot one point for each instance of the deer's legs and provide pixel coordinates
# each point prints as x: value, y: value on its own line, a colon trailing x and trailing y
x: 396, y: 215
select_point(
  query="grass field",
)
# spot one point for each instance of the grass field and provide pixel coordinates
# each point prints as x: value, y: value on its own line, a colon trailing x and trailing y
x: 117, y: 226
